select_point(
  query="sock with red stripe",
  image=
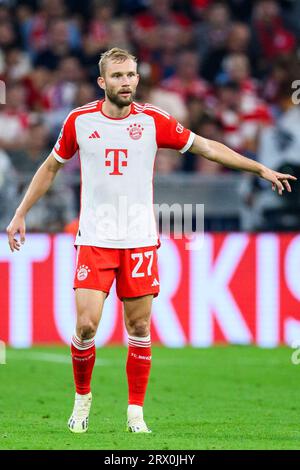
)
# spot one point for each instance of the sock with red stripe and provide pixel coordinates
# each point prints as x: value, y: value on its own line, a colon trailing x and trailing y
x: 138, y: 368
x: 83, y: 353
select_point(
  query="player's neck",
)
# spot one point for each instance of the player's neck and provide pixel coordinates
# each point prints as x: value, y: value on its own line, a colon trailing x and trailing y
x: 113, y: 111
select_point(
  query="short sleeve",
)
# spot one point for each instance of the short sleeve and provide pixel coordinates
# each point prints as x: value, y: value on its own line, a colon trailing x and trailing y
x: 171, y: 134
x: 66, y: 145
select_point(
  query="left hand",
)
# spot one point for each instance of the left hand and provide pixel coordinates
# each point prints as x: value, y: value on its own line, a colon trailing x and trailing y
x: 278, y: 180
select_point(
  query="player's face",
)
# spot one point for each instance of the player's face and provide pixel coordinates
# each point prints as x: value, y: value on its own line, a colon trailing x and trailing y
x: 120, y: 82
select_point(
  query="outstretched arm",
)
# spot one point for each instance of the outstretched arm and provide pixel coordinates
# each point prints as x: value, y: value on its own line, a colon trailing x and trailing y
x: 39, y: 185
x: 217, y: 152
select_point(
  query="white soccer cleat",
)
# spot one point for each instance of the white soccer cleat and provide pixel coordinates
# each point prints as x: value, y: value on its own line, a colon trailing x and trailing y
x: 79, y: 420
x: 135, y: 420
x: 137, y: 425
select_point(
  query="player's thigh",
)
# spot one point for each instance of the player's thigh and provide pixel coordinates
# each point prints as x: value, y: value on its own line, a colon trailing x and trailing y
x: 137, y: 314
x: 89, y: 307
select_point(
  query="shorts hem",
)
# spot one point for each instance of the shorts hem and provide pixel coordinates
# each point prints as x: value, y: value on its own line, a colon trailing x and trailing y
x: 92, y: 288
x: 140, y: 294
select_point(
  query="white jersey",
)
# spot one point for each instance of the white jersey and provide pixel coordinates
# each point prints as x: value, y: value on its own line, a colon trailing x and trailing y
x: 117, y: 158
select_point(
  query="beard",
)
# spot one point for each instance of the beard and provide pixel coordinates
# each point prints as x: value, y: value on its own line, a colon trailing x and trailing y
x: 118, y: 99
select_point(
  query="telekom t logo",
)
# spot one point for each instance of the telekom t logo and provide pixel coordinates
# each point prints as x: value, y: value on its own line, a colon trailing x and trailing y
x: 115, y: 158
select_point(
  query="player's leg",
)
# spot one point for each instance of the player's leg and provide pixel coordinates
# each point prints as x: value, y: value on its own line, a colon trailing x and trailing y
x: 137, y: 284
x: 137, y: 313
x: 89, y: 306
x: 94, y: 275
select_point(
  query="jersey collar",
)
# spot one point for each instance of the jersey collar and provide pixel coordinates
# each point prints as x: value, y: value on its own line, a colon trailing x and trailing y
x: 109, y: 117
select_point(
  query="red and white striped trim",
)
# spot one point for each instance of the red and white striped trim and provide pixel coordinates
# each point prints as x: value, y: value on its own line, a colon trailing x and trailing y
x: 83, y: 109
x: 92, y: 103
x: 149, y: 107
x: 189, y: 143
x: 82, y: 344
x: 88, y: 105
x: 58, y: 157
x: 139, y: 342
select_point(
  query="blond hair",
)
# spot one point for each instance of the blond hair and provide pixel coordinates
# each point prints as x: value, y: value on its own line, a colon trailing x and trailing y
x: 116, y: 55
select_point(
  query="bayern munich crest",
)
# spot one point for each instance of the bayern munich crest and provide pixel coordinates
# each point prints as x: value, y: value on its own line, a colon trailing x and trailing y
x: 83, y: 272
x: 135, y: 131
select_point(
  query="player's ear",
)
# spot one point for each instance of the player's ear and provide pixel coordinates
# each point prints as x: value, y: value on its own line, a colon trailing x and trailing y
x: 101, y: 82
x: 138, y: 78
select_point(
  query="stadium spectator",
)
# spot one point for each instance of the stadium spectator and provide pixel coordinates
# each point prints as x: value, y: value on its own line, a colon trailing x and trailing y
x: 54, y: 211
x: 270, y: 32
x: 34, y: 25
x: 8, y: 189
x: 99, y: 35
x: 170, y: 101
x: 14, y: 118
x: 59, y: 45
x: 4, y: 13
x: 18, y: 64
x: 186, y: 81
x: 212, y: 33
x: 241, y: 115
x: 62, y: 91
x: 237, y: 68
x: 253, y: 112
x: 283, y: 72
x: 85, y: 93
x: 197, y: 109
x: 200, y: 6
x: 145, y: 28
x: 238, y: 41
x: 103, y: 29
x: 165, y: 57
x: 27, y: 159
x: 7, y: 36
x: 279, y: 146
x: 36, y: 85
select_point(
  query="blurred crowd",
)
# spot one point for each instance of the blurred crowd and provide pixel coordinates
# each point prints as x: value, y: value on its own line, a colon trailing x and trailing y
x: 224, y: 69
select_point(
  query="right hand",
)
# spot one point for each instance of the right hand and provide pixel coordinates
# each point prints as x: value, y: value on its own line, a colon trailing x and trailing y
x: 17, y: 225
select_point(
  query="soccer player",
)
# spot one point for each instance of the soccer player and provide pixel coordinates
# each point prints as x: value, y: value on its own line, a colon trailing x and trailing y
x: 116, y: 140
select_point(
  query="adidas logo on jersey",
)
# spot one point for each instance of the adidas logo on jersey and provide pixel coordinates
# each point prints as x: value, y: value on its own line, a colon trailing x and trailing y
x: 94, y: 135
x: 155, y: 283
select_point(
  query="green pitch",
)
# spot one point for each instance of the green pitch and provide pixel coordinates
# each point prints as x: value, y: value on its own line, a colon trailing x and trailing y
x: 218, y: 398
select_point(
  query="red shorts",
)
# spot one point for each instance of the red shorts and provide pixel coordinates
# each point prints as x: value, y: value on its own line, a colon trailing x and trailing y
x: 135, y: 270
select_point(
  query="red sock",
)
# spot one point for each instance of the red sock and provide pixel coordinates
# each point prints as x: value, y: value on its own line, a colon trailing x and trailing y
x: 138, y: 368
x: 83, y: 359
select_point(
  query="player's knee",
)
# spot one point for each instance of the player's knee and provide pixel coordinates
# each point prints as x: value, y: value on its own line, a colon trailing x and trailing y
x: 139, y: 328
x: 86, y: 329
